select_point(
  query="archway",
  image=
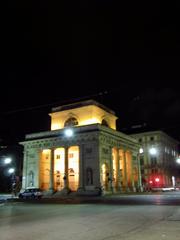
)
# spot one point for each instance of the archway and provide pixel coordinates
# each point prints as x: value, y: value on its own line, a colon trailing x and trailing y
x: 104, y: 176
x: 73, y: 168
x: 59, y: 168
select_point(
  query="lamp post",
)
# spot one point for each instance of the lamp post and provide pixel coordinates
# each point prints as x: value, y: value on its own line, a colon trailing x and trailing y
x: 7, y: 168
x: 141, y: 151
x: 12, y: 174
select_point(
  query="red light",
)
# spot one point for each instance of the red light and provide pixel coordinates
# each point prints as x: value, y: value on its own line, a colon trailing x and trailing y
x: 156, y: 179
x: 150, y: 182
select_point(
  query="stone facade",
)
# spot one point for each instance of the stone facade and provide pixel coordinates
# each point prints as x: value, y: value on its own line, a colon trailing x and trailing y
x: 158, y: 158
x: 93, y: 159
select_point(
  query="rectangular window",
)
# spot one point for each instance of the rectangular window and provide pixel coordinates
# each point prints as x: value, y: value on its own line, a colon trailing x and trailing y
x: 141, y: 160
x: 153, y: 160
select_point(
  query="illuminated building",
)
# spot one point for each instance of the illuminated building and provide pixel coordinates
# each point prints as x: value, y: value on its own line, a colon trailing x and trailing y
x: 157, y: 158
x: 83, y: 153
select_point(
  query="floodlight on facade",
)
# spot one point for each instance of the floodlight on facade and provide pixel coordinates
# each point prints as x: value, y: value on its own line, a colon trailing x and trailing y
x: 153, y: 151
x: 68, y: 132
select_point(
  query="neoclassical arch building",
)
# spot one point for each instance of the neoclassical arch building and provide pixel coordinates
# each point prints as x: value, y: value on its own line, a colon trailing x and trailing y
x: 83, y: 153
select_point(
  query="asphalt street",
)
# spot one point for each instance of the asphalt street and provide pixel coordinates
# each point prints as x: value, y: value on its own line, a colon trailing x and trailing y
x: 34, y: 220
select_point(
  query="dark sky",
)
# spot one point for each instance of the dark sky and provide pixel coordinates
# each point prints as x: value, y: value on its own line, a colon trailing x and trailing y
x: 126, y: 56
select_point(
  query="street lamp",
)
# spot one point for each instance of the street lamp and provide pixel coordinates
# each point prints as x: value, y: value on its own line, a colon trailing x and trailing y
x: 68, y: 132
x: 141, y: 150
x: 178, y: 160
x: 153, y: 151
x: 7, y: 160
x: 11, y: 170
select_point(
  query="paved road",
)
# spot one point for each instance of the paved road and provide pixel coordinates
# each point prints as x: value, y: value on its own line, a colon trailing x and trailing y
x: 29, y: 221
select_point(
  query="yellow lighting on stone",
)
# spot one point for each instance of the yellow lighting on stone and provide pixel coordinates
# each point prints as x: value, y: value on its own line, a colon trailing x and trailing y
x: 59, y: 160
x: 55, y: 126
x: 85, y: 115
x: 46, y: 151
x: 90, y: 121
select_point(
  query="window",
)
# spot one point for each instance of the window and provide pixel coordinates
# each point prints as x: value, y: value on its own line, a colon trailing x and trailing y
x: 153, y: 160
x: 104, y: 122
x: 71, y: 122
x: 152, y: 138
x: 140, y: 139
x: 141, y: 160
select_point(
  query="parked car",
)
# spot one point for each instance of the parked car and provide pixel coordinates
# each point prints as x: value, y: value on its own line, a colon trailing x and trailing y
x: 31, y: 193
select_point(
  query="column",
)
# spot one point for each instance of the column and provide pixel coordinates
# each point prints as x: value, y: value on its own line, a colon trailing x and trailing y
x: 132, y: 173
x: 139, y: 174
x: 118, y: 171
x: 81, y: 170
x: 24, y: 176
x: 66, y: 177
x: 51, y: 184
x: 110, y: 171
x: 125, y: 171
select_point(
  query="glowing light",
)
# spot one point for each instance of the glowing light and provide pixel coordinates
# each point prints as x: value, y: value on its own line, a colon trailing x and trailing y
x: 90, y: 121
x: 156, y: 179
x: 178, y: 160
x: 46, y: 151
x: 151, y: 182
x: 152, y: 151
x: 55, y: 126
x: 141, y: 150
x: 7, y: 160
x: 11, y: 170
x: 173, y: 181
x: 68, y: 132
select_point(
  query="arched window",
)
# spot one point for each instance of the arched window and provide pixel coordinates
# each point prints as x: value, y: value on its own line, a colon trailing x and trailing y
x: 89, y: 176
x: 104, y: 122
x: 72, y: 121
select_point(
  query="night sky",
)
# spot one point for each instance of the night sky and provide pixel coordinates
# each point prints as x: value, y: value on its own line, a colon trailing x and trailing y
x: 126, y: 56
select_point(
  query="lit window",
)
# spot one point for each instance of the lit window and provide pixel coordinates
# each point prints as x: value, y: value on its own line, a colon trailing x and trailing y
x: 71, y: 122
x: 104, y: 122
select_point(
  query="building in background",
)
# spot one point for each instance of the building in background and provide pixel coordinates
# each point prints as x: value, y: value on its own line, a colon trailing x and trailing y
x: 83, y: 153
x: 158, y: 155
x: 10, y: 167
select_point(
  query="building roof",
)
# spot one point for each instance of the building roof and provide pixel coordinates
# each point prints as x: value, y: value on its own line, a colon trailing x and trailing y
x: 82, y: 104
x: 155, y: 132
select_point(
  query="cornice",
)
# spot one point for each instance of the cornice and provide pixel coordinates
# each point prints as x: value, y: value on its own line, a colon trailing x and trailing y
x: 60, y: 141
